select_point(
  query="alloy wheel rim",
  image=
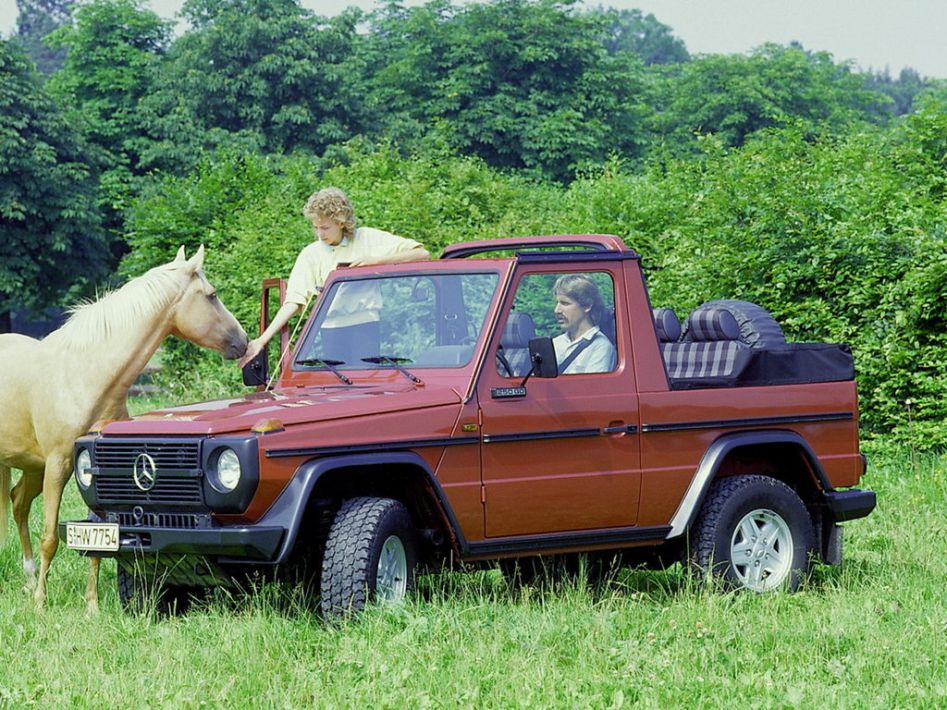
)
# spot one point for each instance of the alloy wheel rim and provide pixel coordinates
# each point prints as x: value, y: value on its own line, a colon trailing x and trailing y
x: 761, y: 550
x: 391, y: 578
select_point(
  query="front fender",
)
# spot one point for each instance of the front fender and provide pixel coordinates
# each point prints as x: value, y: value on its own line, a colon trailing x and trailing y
x: 290, y: 507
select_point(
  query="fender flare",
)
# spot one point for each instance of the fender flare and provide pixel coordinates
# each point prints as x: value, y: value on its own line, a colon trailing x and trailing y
x: 289, y: 508
x: 714, y: 456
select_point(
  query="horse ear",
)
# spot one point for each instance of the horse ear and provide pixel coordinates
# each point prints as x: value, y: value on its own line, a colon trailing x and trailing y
x: 180, y: 256
x: 197, y: 261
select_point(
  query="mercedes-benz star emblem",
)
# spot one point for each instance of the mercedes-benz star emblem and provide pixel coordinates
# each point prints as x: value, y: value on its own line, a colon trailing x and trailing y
x: 144, y: 472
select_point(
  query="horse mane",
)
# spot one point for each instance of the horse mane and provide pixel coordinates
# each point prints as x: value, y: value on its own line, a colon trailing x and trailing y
x: 136, y: 301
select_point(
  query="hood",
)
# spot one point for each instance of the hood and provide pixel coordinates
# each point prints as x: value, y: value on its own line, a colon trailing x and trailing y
x: 296, y: 406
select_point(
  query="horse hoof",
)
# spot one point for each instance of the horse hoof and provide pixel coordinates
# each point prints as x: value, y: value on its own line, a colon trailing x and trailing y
x: 39, y: 598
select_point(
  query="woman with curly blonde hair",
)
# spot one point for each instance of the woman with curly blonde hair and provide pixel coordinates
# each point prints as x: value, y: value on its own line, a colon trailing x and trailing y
x: 338, y: 241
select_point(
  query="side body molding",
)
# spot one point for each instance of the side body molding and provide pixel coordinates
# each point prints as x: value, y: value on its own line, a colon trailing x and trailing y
x: 288, y: 509
x: 714, y: 456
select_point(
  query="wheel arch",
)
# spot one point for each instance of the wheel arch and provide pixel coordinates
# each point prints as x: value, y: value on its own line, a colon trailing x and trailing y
x: 402, y: 476
x: 757, y: 448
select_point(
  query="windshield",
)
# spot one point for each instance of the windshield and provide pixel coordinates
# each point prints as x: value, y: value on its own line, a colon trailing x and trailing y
x: 417, y: 320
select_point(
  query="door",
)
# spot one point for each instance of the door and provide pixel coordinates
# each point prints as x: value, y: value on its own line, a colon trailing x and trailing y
x: 564, y: 456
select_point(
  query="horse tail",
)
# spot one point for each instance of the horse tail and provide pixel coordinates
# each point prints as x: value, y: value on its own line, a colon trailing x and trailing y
x: 4, y: 502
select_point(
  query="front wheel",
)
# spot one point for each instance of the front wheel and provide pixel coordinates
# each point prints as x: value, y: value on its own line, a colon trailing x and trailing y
x: 370, y: 555
x: 141, y: 591
x: 754, y: 532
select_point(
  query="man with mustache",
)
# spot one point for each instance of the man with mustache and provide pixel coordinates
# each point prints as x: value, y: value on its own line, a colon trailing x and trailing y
x: 582, y: 347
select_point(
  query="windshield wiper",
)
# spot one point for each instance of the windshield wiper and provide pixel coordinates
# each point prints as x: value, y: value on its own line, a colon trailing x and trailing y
x: 394, y: 362
x: 330, y: 365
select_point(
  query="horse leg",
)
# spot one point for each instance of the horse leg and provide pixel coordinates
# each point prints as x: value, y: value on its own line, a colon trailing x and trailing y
x: 92, y: 586
x: 4, y: 503
x: 24, y: 492
x: 58, y: 470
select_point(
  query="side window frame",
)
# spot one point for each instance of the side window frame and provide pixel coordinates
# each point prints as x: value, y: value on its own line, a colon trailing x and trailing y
x: 535, y: 321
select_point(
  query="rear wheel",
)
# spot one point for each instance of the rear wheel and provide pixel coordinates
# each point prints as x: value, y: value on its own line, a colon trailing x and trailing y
x: 754, y: 532
x: 370, y: 556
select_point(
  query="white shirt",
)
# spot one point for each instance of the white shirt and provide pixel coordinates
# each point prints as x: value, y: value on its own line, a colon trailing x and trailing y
x: 317, y: 260
x: 358, y: 301
x: 598, y: 356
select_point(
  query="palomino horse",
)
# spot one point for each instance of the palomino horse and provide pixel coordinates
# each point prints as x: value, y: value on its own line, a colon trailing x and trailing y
x: 53, y: 390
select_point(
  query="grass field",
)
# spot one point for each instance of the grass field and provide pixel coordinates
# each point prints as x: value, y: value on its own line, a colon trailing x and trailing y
x: 870, y: 634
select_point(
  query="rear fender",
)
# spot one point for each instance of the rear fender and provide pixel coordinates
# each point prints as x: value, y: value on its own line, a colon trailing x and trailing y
x: 714, y: 458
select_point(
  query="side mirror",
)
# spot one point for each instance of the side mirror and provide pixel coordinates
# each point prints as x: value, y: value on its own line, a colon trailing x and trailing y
x: 256, y: 372
x: 543, y: 356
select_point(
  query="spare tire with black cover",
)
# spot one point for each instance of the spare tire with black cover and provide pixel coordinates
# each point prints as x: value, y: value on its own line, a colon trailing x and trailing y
x: 758, y: 328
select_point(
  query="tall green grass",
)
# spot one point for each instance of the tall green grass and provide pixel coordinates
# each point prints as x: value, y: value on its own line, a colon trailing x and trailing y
x: 869, y: 634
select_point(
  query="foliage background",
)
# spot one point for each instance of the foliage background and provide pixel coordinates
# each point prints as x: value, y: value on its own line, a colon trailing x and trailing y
x: 842, y: 239
x: 779, y: 176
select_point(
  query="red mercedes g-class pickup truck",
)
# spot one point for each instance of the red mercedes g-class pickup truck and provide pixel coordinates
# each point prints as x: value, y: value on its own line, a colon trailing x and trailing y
x: 438, y: 412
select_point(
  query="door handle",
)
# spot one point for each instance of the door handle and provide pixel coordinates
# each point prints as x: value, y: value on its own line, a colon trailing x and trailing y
x: 620, y: 429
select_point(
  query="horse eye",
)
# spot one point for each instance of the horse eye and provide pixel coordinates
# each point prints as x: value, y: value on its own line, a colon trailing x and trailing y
x: 212, y: 296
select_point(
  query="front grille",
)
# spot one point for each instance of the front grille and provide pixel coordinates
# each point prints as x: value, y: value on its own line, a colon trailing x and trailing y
x: 168, y: 490
x: 189, y: 521
x: 177, y: 472
x: 168, y: 455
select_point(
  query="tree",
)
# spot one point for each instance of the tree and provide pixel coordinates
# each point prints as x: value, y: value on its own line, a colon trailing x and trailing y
x: 633, y: 31
x: 523, y: 84
x: 35, y: 21
x: 901, y: 90
x: 115, y: 49
x: 733, y: 96
x: 255, y: 75
x: 52, y: 236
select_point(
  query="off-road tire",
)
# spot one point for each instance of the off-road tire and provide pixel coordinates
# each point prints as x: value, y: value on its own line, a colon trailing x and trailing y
x: 356, y: 542
x: 735, y: 510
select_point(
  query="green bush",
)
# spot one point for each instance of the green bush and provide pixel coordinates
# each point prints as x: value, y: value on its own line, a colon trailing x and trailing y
x: 841, y: 238
x: 247, y: 211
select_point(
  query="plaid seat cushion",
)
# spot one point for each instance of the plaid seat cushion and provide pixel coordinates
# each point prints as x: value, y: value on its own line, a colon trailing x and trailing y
x: 714, y: 359
x: 712, y: 324
x: 666, y: 324
x: 711, y: 347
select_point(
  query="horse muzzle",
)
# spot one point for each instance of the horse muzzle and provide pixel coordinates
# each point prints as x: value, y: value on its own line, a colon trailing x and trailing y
x: 236, y: 347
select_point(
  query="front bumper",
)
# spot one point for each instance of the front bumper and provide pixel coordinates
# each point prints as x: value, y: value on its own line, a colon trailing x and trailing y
x: 251, y: 543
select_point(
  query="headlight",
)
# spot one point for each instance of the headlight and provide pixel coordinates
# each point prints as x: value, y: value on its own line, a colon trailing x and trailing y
x: 231, y: 466
x: 225, y: 474
x: 84, y: 468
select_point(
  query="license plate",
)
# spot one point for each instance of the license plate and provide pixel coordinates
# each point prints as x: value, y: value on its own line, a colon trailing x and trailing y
x: 102, y: 537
